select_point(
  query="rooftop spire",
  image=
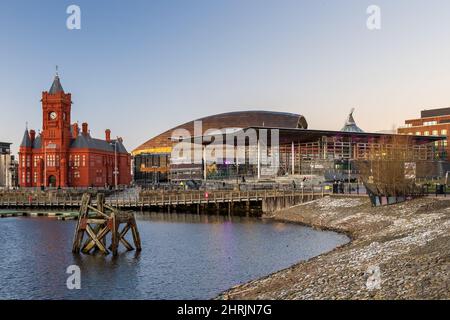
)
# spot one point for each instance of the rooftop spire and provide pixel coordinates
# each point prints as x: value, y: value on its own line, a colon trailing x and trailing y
x: 56, y: 85
x: 350, y: 123
x: 26, y: 141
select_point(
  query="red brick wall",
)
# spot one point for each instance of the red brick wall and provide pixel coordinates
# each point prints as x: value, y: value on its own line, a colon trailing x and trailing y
x: 96, y: 170
x: 71, y: 167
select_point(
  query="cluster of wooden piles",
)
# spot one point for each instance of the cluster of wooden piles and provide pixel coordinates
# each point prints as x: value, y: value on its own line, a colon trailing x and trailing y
x: 97, y: 220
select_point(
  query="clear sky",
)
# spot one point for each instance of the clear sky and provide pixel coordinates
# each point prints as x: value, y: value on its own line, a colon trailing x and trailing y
x: 140, y: 67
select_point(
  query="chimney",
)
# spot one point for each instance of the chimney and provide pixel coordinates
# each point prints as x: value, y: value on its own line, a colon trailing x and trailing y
x: 108, y: 135
x: 32, y: 136
x: 85, y: 128
x: 75, y: 130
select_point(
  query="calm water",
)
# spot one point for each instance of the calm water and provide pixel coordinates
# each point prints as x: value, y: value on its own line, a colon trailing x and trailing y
x: 183, y: 257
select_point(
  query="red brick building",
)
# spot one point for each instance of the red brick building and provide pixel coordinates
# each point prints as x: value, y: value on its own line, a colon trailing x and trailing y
x: 63, y: 156
x: 432, y: 122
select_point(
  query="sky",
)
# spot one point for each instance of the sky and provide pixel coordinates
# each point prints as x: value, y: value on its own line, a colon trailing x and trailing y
x: 141, y: 67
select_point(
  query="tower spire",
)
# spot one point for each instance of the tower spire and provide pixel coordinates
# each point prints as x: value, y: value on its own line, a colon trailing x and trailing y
x: 56, y: 85
x: 350, y: 123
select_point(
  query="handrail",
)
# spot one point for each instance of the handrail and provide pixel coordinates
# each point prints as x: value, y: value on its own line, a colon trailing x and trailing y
x: 161, y: 198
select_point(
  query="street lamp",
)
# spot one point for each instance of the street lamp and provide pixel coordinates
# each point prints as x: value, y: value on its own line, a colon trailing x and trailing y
x: 116, y: 170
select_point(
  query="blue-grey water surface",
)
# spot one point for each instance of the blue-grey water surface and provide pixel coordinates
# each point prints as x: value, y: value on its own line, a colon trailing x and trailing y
x: 183, y: 257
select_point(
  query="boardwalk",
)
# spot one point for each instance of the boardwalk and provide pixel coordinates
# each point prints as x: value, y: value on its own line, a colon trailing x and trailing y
x: 264, y: 200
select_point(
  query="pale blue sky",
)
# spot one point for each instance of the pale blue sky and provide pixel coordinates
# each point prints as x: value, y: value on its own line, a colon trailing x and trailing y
x: 140, y: 67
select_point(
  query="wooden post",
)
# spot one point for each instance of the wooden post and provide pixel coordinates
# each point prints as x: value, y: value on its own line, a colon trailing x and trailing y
x: 136, y: 236
x: 101, y: 208
x: 80, y: 227
x: 114, y: 238
x: 217, y: 207
x: 104, y: 219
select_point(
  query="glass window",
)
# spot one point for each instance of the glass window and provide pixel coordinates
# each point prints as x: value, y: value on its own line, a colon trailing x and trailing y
x: 51, y: 160
x: 435, y: 132
x: 426, y: 133
x: 77, y: 160
x: 418, y: 133
x: 444, y: 132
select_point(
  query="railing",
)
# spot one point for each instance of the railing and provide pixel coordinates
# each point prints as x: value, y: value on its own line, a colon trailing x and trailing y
x: 162, y: 198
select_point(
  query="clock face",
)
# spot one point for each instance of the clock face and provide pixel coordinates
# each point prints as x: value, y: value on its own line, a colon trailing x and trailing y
x: 53, y: 115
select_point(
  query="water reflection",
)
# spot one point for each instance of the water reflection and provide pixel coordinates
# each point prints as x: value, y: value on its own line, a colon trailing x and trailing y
x: 184, y: 256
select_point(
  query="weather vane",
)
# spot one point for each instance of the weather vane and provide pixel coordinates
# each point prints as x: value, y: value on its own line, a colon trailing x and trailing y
x: 57, y: 70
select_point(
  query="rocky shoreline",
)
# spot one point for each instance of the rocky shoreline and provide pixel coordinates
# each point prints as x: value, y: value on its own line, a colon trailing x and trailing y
x: 400, y: 251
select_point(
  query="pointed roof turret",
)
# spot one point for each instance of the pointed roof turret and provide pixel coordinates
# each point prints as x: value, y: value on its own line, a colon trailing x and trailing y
x: 350, y: 124
x: 56, y: 85
x: 26, y: 141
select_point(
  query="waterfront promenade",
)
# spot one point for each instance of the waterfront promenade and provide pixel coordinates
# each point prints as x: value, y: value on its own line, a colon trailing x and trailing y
x: 230, y: 201
x: 399, y: 251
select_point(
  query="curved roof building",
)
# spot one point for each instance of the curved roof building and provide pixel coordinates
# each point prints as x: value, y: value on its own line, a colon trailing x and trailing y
x: 230, y: 120
x: 301, y: 151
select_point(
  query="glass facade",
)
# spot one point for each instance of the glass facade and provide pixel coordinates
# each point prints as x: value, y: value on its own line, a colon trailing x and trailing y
x: 151, y: 168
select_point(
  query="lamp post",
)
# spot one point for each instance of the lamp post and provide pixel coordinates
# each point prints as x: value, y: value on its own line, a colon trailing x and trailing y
x: 5, y: 163
x: 45, y: 165
x: 116, y: 170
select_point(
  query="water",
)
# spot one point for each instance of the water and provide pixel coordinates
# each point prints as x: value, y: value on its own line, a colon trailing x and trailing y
x: 183, y: 257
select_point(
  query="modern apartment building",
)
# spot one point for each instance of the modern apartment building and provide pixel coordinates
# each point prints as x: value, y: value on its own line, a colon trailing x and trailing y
x: 8, y: 167
x: 432, y: 122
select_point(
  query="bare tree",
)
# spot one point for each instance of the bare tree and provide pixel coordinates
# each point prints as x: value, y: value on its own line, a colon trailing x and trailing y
x: 390, y: 166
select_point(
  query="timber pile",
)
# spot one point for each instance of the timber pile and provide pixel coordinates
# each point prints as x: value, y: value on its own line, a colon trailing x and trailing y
x: 99, y: 223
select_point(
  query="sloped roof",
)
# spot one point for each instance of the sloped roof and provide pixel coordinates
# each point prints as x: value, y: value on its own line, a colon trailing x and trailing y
x: 56, y: 86
x: 37, y: 144
x: 87, y: 142
x: 350, y: 124
x: 26, y: 141
x: 82, y: 142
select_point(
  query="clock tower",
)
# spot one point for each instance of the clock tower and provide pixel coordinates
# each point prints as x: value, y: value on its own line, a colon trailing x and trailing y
x: 56, y: 133
x: 62, y: 156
